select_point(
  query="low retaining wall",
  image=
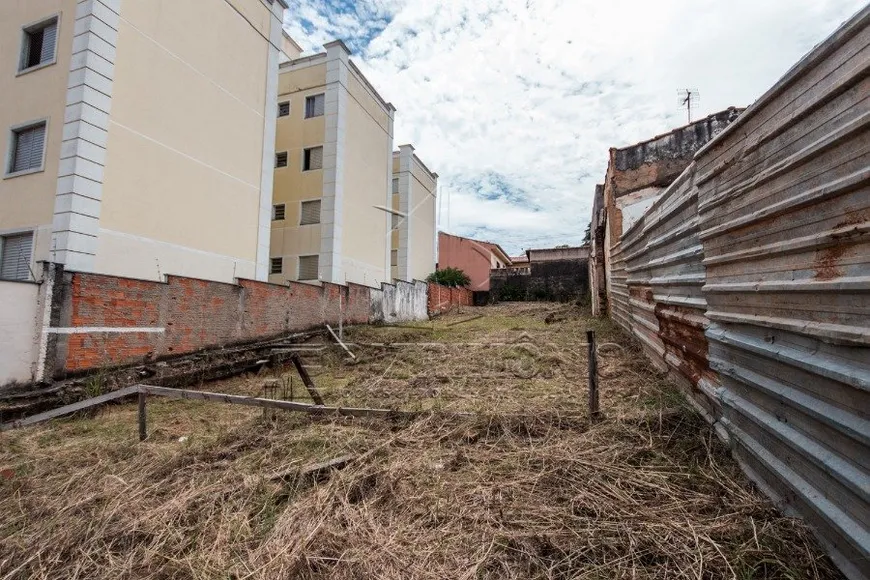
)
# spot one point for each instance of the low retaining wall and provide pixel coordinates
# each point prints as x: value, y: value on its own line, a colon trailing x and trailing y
x: 445, y: 298
x: 105, y: 321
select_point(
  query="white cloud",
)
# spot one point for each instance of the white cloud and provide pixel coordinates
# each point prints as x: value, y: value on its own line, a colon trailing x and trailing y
x: 516, y: 102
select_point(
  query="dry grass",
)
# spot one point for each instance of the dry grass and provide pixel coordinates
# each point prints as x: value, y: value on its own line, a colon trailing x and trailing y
x: 647, y: 493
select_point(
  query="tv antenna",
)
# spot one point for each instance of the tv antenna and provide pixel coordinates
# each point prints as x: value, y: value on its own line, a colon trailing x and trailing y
x: 687, y: 98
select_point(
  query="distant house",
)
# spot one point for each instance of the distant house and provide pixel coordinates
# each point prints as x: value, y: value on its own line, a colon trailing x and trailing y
x: 520, y: 265
x: 558, y: 274
x: 556, y: 254
x: 474, y: 257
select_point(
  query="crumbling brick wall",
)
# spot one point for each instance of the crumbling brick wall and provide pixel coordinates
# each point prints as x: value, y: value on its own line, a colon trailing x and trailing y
x: 444, y: 298
x: 104, y: 320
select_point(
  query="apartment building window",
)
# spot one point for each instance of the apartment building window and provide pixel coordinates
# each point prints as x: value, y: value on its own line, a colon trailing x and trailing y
x: 15, y: 252
x: 39, y: 45
x: 281, y: 159
x: 312, y: 159
x: 394, y: 257
x: 309, y: 267
x: 284, y: 109
x: 278, y: 211
x: 395, y: 186
x: 314, y: 105
x: 310, y: 213
x: 276, y: 266
x: 395, y: 221
x: 27, y: 149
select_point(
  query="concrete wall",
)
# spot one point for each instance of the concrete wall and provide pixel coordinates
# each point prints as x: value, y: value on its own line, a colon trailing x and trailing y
x: 553, y: 280
x: 18, y: 331
x: 402, y: 302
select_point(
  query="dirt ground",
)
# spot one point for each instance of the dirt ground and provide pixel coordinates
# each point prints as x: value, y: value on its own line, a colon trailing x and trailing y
x: 522, y: 486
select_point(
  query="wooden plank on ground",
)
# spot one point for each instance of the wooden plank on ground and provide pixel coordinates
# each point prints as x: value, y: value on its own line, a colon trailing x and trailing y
x: 69, y: 409
x: 463, y: 321
x: 285, y: 405
x: 306, y: 380
x: 341, y: 344
x: 316, y: 471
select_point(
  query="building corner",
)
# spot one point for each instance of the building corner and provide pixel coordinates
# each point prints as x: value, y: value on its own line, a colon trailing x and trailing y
x: 335, y: 109
x: 270, y: 119
x: 79, y: 194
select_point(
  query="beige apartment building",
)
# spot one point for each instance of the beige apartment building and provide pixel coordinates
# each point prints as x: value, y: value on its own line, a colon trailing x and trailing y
x: 140, y: 135
x: 412, y: 242
x: 333, y: 170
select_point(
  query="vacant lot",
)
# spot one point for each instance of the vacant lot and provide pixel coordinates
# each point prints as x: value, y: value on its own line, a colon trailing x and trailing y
x: 523, y: 487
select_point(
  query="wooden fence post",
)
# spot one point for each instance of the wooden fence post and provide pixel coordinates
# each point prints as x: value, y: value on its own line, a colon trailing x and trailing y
x: 594, y: 411
x: 143, y: 427
x: 306, y: 380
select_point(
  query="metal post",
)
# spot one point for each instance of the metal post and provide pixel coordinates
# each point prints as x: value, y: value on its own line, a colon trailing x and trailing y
x: 594, y: 411
x: 143, y: 430
x: 341, y: 314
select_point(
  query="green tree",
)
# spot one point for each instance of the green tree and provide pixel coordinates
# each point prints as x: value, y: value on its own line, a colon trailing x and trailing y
x: 587, y: 237
x: 450, y: 277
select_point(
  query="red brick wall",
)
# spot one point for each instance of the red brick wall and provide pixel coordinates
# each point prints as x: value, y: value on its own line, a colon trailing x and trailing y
x: 195, y: 314
x: 444, y: 298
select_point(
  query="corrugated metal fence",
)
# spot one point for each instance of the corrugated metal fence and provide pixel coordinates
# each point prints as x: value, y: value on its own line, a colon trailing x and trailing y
x: 750, y: 279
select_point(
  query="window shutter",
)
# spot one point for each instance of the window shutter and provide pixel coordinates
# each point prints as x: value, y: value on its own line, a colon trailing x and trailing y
x: 29, y: 144
x: 277, y: 266
x: 283, y: 109
x: 395, y: 186
x: 278, y: 211
x: 394, y: 257
x: 15, y: 257
x: 49, y: 40
x: 395, y: 219
x: 310, y: 212
x: 25, y: 51
x: 315, y: 105
x: 281, y: 159
x: 316, y: 159
x: 309, y: 267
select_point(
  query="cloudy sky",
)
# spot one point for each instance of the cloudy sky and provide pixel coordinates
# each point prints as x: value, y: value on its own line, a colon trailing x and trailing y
x: 514, y: 103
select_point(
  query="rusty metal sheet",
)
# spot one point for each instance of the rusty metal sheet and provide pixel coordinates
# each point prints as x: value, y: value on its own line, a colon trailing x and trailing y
x: 663, y: 262
x: 784, y: 219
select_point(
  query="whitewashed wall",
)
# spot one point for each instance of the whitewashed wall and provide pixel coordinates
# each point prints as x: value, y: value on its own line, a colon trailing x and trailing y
x: 18, y: 309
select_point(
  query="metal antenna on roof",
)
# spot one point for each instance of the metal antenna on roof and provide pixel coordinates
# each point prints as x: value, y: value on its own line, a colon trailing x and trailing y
x: 687, y: 98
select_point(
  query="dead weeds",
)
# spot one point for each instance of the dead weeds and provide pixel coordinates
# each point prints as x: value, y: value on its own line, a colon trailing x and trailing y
x: 528, y: 490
